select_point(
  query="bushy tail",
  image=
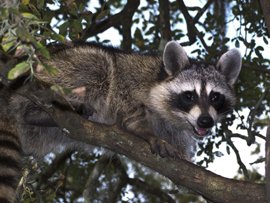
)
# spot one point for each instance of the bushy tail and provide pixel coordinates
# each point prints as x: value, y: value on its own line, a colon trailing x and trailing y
x: 10, y: 161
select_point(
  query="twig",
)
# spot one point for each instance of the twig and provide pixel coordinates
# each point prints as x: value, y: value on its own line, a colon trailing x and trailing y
x: 111, y: 21
x: 58, y: 161
x: 239, y: 161
x: 202, y: 10
x: 90, y: 187
x: 251, y: 117
x: 193, y: 32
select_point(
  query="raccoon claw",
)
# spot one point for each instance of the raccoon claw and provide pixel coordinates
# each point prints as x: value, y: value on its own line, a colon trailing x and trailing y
x: 162, y: 148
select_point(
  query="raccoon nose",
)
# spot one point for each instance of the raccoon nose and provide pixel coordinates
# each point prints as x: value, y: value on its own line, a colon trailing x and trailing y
x: 205, y: 121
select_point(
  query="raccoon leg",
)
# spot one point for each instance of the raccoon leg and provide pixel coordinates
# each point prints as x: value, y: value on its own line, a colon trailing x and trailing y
x: 36, y: 116
x: 10, y: 162
x: 138, y: 125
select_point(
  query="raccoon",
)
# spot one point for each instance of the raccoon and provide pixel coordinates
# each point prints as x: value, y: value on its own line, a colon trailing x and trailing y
x: 170, y: 101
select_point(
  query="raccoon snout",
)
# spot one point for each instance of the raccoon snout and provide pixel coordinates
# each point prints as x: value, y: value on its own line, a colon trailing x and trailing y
x: 205, y: 121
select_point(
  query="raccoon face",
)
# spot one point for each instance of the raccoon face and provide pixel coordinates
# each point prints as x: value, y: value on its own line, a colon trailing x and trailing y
x: 198, y: 93
x: 202, y: 99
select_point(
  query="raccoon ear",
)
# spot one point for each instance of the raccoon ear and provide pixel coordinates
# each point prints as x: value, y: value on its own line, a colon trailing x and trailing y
x: 174, y: 58
x: 230, y: 64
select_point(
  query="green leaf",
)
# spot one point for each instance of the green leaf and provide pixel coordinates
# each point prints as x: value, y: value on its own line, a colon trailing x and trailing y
x: 24, y: 35
x: 265, y: 40
x: 258, y: 53
x: 25, y: 2
x: 8, y: 42
x: 138, y: 37
x: 228, y: 150
x: 58, y: 37
x: 199, y: 153
x: 4, y: 12
x: 40, y: 4
x: 60, y: 90
x: 103, y: 14
x: 63, y: 28
x: 51, y: 69
x: 42, y: 49
x: 260, y: 48
x: 29, y: 16
x: 18, y: 70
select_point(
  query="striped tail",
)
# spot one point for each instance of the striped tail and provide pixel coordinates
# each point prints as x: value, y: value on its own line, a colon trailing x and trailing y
x: 10, y: 161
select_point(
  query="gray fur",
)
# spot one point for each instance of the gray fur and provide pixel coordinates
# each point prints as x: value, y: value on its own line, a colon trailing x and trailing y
x: 126, y: 87
x: 230, y: 65
x: 174, y: 58
x: 148, y: 96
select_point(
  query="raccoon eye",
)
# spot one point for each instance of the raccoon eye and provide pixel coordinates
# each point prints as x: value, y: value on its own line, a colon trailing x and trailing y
x: 183, y: 101
x: 189, y: 96
x: 216, y: 99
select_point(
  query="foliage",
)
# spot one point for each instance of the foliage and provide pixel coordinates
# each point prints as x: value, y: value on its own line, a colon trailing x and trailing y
x: 28, y: 26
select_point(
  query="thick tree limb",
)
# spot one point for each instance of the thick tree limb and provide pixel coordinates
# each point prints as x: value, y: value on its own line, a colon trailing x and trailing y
x: 131, y: 7
x: 265, y: 5
x: 164, y: 20
x: 181, y: 172
x: 189, y: 21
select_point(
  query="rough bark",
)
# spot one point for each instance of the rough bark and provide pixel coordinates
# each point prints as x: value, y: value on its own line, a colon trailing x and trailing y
x: 211, y: 186
x: 164, y: 20
x: 265, y: 5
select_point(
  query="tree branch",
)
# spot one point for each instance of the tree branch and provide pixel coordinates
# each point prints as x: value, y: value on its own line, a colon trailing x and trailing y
x: 140, y: 185
x: 265, y: 5
x: 267, y: 164
x: 181, y: 172
x: 189, y: 21
x: 193, y: 32
x: 239, y: 160
x: 150, y: 189
x: 90, y: 187
x: 115, y: 20
x: 251, y: 117
x: 164, y: 21
x: 202, y: 10
x: 57, y: 162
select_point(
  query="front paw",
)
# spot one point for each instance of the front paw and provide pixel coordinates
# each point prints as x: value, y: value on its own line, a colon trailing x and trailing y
x: 164, y: 149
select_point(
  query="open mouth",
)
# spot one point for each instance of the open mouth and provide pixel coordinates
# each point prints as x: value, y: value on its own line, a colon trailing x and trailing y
x: 201, y: 132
